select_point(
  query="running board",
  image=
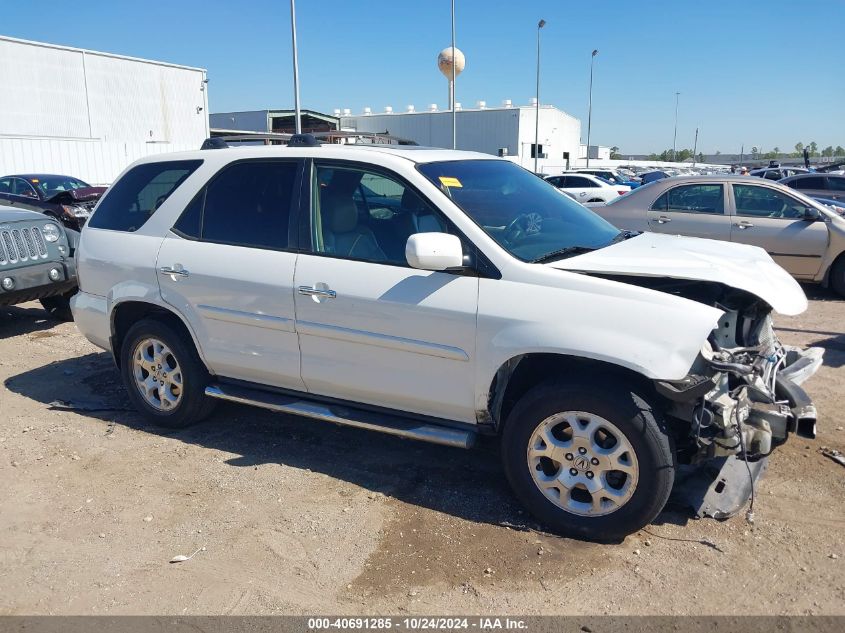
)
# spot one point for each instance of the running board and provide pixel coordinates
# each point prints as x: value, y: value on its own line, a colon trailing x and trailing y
x: 346, y: 416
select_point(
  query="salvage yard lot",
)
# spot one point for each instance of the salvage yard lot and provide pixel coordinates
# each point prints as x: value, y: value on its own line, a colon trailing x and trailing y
x: 301, y: 517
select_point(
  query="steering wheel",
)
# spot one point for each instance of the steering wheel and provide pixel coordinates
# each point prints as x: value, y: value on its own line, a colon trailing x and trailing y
x: 523, y: 225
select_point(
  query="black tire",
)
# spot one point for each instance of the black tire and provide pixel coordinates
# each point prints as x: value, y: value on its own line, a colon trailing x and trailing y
x: 632, y: 415
x: 194, y: 405
x: 836, y: 280
x: 58, y: 307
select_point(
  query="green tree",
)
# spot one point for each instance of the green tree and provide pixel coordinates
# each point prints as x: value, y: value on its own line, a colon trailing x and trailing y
x: 776, y: 151
x: 755, y: 152
x: 700, y: 157
x: 799, y: 149
x: 718, y: 153
x: 614, y: 153
x: 839, y: 151
x: 814, y: 148
x: 828, y: 151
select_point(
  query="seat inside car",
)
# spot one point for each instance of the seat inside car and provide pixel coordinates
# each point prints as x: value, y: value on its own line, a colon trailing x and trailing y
x: 342, y: 233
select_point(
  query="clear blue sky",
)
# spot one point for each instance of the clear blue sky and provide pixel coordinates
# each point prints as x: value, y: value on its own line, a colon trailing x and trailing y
x: 759, y: 73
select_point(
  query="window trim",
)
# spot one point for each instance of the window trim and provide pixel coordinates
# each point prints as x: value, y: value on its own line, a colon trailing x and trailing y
x: 482, y: 266
x: 665, y: 192
x: 296, y: 192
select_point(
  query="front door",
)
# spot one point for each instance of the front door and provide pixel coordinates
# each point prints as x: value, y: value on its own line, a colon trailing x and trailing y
x: 227, y: 268
x: 371, y: 328
x: 697, y: 210
x: 775, y: 221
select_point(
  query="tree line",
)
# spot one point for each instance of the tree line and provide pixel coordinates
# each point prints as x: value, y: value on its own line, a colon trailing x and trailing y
x: 755, y: 153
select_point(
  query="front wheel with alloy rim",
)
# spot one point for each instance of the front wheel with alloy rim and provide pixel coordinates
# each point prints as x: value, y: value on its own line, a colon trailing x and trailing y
x: 588, y: 461
x: 163, y: 375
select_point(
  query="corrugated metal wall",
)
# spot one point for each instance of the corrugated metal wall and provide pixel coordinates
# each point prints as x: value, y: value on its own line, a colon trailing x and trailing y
x: 478, y: 130
x: 89, y: 114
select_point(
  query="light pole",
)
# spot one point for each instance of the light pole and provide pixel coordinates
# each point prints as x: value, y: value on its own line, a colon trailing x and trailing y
x: 298, y: 122
x: 540, y: 25
x: 590, y: 107
x: 452, y: 85
x: 675, y: 137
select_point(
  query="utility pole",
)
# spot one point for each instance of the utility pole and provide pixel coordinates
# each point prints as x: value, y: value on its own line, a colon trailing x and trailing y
x: 694, y: 147
x: 675, y: 137
x: 452, y: 85
x: 590, y: 106
x: 298, y: 122
x: 540, y: 25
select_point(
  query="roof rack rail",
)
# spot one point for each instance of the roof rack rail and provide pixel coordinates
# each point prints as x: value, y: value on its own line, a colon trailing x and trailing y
x: 308, y: 139
x: 303, y: 140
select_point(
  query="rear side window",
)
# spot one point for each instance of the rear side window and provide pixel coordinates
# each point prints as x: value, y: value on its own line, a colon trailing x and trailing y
x: 813, y: 182
x: 246, y: 204
x: 133, y: 199
x: 692, y: 199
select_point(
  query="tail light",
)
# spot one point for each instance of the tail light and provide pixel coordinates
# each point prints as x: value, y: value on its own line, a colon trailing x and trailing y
x: 621, y: 193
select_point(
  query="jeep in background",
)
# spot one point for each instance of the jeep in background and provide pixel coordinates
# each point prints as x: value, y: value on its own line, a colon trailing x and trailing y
x: 36, y: 261
x: 439, y: 295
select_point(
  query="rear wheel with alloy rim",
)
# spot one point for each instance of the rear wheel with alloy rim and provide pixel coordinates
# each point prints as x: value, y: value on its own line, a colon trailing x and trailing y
x: 588, y: 461
x: 163, y: 375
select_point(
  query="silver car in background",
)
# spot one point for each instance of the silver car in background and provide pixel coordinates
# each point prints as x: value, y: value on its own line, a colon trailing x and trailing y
x: 803, y: 236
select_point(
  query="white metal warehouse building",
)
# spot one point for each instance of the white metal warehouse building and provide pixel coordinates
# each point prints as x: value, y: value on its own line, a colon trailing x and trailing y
x: 89, y: 114
x: 507, y: 130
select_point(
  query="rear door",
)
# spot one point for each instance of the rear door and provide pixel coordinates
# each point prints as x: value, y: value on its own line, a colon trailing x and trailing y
x: 774, y: 220
x: 696, y: 209
x: 227, y: 266
x: 584, y: 189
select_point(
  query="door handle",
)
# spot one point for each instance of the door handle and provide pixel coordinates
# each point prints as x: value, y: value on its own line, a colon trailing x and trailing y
x: 174, y: 273
x: 311, y: 291
x: 744, y: 224
x: 663, y: 219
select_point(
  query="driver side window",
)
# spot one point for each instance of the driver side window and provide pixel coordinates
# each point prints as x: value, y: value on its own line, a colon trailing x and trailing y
x: 762, y: 202
x: 366, y: 215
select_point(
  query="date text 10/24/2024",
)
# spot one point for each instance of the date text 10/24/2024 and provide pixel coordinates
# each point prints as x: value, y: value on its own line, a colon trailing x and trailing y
x: 417, y: 623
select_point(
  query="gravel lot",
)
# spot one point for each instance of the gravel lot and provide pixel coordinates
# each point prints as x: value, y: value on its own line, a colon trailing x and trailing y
x: 295, y: 516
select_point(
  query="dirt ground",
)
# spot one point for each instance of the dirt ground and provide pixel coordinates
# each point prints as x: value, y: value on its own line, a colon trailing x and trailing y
x: 301, y: 517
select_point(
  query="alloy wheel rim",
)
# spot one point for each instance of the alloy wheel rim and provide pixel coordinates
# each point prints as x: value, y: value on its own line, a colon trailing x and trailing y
x: 157, y: 374
x: 583, y: 463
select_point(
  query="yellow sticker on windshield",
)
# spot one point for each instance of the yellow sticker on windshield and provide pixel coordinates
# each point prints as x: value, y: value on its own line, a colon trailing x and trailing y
x: 448, y: 181
x: 34, y: 181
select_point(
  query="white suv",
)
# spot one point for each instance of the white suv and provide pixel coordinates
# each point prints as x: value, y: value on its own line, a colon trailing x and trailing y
x: 439, y: 295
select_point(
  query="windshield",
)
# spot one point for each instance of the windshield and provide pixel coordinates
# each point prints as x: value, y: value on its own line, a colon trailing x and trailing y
x: 49, y: 186
x: 527, y: 216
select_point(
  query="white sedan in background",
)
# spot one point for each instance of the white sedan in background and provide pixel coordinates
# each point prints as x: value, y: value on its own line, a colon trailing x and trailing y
x: 587, y: 188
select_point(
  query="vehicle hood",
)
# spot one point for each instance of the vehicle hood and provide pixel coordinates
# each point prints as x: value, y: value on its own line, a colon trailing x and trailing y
x: 11, y: 214
x: 83, y: 194
x: 740, y: 266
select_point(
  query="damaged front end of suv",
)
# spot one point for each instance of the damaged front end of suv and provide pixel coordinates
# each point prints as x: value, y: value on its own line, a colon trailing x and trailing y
x: 741, y: 399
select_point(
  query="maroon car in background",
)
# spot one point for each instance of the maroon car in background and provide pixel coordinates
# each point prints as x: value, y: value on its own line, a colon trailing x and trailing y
x: 67, y: 199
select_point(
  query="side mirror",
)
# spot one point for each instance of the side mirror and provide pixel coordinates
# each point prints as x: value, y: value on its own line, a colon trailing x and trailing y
x: 811, y: 215
x: 434, y: 251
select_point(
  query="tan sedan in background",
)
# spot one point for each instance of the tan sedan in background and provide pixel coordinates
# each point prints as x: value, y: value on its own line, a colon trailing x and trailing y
x: 801, y: 235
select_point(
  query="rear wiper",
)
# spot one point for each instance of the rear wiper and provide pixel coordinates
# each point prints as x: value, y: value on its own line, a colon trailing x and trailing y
x: 561, y: 254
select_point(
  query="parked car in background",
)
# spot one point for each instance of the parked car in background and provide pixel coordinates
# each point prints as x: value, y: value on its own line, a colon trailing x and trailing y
x: 800, y: 234
x: 253, y: 275
x: 612, y: 176
x: 586, y: 187
x: 36, y: 261
x: 651, y: 176
x: 835, y: 205
x: 778, y: 173
x: 65, y: 198
x: 830, y: 186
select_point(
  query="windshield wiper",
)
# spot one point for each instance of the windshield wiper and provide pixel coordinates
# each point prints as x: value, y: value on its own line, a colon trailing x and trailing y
x: 622, y: 236
x: 562, y: 253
